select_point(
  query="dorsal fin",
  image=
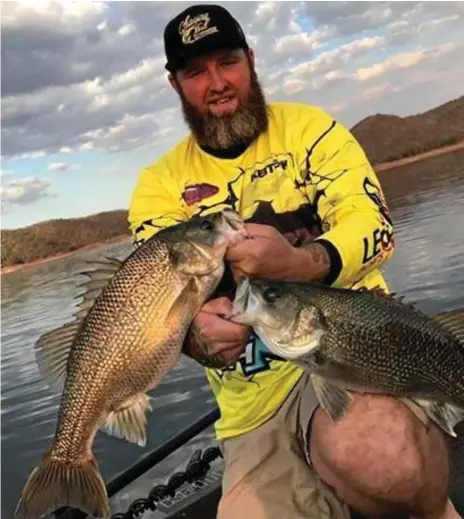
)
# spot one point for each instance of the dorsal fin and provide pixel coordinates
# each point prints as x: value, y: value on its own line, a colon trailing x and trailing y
x: 453, y: 321
x: 52, y: 348
x: 392, y: 297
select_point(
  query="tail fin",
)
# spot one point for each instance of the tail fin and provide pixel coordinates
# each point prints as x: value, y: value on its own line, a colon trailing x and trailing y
x: 56, y: 483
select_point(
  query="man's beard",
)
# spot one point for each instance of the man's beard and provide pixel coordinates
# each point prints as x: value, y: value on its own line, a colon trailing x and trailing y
x: 244, y: 125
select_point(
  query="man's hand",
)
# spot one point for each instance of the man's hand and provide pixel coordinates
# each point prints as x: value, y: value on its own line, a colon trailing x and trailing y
x: 213, y: 341
x: 268, y: 254
x: 265, y: 253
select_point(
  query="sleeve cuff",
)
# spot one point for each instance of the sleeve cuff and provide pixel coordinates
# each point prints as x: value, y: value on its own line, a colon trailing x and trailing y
x: 336, y: 263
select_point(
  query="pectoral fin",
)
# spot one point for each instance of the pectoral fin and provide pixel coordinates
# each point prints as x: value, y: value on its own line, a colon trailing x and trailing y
x: 417, y: 410
x: 335, y: 400
x: 445, y: 415
x: 187, y: 297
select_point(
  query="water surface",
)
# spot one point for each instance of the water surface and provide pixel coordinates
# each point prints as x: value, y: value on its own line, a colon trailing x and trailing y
x: 427, y: 205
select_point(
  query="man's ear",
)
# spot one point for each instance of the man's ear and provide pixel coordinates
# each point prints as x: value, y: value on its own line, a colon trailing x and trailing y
x: 251, y: 56
x: 174, y: 82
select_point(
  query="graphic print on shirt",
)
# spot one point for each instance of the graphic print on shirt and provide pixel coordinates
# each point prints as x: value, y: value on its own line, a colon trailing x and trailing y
x: 195, y: 193
x: 233, y: 198
x: 255, y: 359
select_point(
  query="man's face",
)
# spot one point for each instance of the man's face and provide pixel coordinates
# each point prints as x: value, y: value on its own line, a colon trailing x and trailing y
x: 217, y: 82
x: 221, y: 98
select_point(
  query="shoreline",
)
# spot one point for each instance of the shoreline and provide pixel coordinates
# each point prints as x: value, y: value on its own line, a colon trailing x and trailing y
x: 21, y: 266
x: 383, y: 166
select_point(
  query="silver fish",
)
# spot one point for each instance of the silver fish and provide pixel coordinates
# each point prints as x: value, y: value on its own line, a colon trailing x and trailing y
x: 366, y: 341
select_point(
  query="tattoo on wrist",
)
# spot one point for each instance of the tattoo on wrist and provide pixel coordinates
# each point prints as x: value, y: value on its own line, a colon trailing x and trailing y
x: 319, y: 254
x: 319, y: 261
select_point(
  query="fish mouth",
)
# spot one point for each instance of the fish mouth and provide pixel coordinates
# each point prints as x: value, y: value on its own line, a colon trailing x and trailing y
x: 232, y: 226
x: 288, y: 334
x: 229, y: 230
x: 299, y: 347
x: 246, y: 306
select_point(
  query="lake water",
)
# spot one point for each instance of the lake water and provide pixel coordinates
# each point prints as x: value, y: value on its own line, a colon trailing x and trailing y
x: 426, y: 200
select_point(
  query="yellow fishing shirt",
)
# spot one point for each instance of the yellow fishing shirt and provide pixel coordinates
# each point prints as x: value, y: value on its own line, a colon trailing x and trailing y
x: 307, y: 176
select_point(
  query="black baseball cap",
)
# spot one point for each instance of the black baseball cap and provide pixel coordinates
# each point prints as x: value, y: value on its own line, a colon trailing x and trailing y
x: 199, y: 29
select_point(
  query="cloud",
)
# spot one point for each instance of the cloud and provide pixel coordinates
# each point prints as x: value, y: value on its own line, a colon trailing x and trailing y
x: 32, y: 121
x: 6, y: 175
x: 333, y: 60
x: 48, y: 35
x: 402, y: 84
x: 82, y: 76
x: 406, y: 60
x: 409, y: 82
x: 62, y: 166
x: 407, y: 31
x: 403, y: 60
x: 349, y: 18
x: 132, y: 132
x: 24, y: 191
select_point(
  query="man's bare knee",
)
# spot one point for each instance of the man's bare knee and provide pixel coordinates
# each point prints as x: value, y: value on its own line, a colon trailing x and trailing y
x: 382, y: 450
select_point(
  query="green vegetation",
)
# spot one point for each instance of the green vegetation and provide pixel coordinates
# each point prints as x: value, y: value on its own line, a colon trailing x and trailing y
x: 53, y: 237
x: 389, y: 137
x: 383, y: 137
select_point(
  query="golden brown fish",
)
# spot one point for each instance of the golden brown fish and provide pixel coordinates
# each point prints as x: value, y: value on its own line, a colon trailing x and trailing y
x: 126, y: 336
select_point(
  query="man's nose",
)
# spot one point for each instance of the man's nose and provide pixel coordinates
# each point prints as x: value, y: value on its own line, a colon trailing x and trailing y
x: 216, y: 79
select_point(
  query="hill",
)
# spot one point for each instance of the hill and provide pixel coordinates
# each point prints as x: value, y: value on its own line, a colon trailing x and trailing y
x: 390, y: 137
x: 384, y: 137
x: 52, y: 237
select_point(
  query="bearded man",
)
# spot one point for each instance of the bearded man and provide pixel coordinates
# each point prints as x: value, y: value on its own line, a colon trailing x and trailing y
x: 313, y: 207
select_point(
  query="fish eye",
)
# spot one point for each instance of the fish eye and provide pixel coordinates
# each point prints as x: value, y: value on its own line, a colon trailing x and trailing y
x: 271, y: 295
x: 207, y: 225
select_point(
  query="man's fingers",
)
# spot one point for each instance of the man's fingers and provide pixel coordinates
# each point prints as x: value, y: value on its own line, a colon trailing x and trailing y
x: 221, y: 305
x: 227, y: 348
x: 256, y: 230
x: 241, y: 250
x: 261, y: 236
x: 237, y: 275
x: 222, y: 331
x: 216, y: 337
x: 231, y: 356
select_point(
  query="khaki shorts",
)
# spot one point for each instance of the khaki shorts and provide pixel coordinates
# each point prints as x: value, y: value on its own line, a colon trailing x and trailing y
x: 267, y: 474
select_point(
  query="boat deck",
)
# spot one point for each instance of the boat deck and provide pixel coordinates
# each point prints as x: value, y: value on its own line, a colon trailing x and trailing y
x: 199, y: 500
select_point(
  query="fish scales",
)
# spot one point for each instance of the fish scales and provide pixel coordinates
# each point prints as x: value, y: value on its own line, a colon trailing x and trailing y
x: 127, y: 335
x: 361, y: 340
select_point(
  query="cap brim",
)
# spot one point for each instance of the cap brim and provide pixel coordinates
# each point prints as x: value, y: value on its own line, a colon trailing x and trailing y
x: 179, y: 63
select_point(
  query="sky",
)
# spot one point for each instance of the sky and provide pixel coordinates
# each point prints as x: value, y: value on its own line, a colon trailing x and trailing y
x: 86, y: 104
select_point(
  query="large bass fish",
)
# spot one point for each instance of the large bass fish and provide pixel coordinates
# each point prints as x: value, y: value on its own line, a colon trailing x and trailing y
x: 126, y: 337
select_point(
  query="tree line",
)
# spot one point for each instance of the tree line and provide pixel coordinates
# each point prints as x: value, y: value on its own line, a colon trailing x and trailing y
x: 53, y: 237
